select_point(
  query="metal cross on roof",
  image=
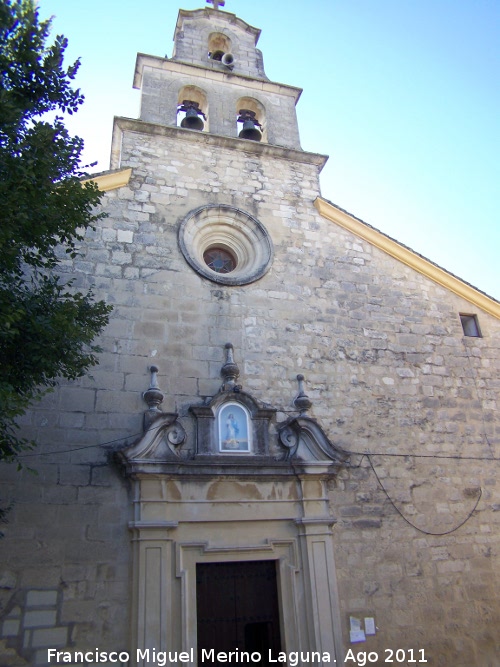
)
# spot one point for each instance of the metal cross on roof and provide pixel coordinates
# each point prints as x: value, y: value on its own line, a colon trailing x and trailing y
x: 217, y: 3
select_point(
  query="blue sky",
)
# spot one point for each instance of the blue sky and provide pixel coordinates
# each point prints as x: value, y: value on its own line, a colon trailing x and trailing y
x: 403, y: 95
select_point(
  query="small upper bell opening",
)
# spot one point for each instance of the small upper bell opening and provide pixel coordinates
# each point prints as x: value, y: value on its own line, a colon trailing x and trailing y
x: 219, y: 45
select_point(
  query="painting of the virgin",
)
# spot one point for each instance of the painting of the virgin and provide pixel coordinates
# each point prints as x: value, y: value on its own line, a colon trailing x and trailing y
x: 233, y: 429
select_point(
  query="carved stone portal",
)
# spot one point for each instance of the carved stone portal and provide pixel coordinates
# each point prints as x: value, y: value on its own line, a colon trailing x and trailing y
x: 231, y: 501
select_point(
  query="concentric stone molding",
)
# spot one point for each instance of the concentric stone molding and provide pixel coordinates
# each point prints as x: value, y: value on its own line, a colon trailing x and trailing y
x: 216, y: 226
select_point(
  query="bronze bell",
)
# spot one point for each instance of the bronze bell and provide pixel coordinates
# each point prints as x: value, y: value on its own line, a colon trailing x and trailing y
x: 192, y: 120
x: 250, y: 123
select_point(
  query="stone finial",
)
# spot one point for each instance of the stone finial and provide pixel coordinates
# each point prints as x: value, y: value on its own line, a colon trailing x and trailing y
x: 302, y: 402
x: 153, y: 397
x: 230, y: 371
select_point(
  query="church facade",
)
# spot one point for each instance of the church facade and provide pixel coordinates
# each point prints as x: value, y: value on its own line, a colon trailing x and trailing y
x: 290, y: 447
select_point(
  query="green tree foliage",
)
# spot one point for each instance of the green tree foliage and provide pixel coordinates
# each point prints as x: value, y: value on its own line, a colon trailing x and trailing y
x: 47, y: 328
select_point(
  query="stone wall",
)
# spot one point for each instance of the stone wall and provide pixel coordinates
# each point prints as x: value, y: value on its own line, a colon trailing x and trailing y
x: 387, y: 367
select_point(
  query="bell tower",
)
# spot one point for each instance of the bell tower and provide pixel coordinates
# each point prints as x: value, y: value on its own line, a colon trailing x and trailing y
x: 216, y: 157
x: 219, y: 210
x: 215, y: 82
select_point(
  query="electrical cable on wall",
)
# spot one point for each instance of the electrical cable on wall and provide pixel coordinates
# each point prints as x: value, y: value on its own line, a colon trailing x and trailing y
x: 125, y: 440
x: 421, y: 530
x: 363, y: 455
x: 346, y: 451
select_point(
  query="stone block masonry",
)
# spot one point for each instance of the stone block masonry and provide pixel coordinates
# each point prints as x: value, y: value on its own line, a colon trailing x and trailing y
x: 32, y: 625
x: 387, y: 366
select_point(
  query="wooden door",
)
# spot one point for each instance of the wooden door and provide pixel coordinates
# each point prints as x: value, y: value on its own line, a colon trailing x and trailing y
x: 237, y: 609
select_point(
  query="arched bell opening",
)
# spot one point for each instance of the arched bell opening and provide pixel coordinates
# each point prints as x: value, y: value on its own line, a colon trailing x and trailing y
x: 192, y: 108
x: 219, y: 49
x: 250, y: 119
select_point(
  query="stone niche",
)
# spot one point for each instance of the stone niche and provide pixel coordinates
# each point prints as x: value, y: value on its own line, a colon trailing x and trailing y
x: 232, y: 502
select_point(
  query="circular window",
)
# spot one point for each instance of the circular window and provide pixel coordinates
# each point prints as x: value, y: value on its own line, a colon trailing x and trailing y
x: 225, y: 244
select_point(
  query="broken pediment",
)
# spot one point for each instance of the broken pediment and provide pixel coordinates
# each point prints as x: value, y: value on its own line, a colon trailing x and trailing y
x: 160, y: 443
x: 303, y: 438
x: 232, y: 434
x: 306, y: 442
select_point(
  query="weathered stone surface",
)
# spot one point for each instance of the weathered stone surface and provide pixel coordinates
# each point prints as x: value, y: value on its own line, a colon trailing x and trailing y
x: 388, y: 371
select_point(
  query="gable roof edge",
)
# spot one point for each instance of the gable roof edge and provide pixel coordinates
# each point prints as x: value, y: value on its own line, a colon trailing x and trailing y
x: 110, y: 180
x: 407, y: 256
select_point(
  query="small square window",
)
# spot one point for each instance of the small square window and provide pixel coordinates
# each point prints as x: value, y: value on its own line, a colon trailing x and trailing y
x: 470, y: 325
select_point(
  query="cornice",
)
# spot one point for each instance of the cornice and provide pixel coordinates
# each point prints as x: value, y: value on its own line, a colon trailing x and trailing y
x: 210, y: 139
x: 111, y: 180
x: 193, y: 69
x: 408, y: 257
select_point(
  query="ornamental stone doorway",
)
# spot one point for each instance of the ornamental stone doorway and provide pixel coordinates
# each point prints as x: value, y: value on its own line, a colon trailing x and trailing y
x: 240, y: 520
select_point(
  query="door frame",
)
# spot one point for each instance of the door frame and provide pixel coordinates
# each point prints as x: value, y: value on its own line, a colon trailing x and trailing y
x: 285, y: 555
